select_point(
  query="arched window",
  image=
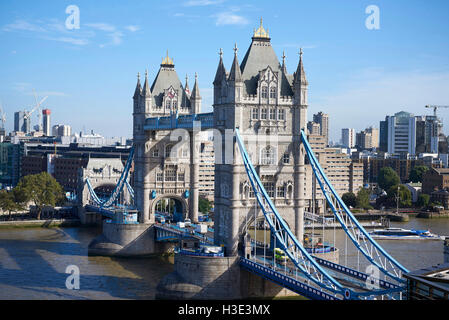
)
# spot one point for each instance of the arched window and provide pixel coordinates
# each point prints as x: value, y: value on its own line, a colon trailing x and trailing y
x: 268, y: 156
x: 264, y: 92
x: 168, y: 149
x: 273, y: 92
x: 168, y: 105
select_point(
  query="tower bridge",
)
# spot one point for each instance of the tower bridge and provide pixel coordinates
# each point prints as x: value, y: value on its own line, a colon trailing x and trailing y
x: 261, y: 154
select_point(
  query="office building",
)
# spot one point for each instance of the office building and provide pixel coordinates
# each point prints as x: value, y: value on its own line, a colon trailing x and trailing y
x: 348, y: 137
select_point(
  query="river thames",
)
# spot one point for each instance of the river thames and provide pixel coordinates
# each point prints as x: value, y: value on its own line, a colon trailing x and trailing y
x: 33, y: 262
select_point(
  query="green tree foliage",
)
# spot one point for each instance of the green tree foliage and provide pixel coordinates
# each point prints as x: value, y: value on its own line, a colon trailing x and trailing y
x: 405, y: 195
x: 349, y: 199
x: 387, y: 178
x: 42, y: 189
x: 423, y: 200
x: 362, y: 200
x: 417, y: 172
x: 204, y: 205
x: 8, y: 202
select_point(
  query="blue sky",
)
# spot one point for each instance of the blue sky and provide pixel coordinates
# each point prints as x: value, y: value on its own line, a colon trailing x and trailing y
x: 355, y: 74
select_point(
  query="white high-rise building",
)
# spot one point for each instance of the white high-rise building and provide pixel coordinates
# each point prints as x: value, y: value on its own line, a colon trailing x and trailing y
x: 46, y: 122
x: 348, y: 137
x: 401, y: 133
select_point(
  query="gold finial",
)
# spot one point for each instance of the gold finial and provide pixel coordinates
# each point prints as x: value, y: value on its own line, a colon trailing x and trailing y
x: 283, y: 57
x: 167, y: 60
x: 221, y: 52
x: 261, y: 32
x: 235, y: 48
x: 138, y: 76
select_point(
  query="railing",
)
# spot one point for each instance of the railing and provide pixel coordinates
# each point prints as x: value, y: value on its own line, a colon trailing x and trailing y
x: 180, y: 121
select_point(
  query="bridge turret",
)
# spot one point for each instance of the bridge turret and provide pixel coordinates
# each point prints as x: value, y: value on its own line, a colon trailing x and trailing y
x: 235, y: 80
x: 195, y: 98
x: 220, y: 81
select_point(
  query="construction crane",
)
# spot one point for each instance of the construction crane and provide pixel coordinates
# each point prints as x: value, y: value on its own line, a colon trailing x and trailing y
x: 2, y: 116
x: 435, y: 109
x: 27, y: 114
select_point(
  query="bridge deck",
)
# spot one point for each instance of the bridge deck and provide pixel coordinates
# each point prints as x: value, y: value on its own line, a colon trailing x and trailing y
x: 201, y: 120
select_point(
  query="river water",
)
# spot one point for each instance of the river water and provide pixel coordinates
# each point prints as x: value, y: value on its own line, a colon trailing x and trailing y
x: 33, y: 262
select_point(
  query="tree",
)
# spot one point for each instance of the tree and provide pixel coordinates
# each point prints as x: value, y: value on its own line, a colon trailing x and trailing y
x: 405, y: 196
x: 387, y: 178
x: 423, y: 200
x: 417, y: 172
x: 42, y: 189
x: 7, y: 202
x: 349, y: 199
x: 204, y: 205
x: 362, y: 200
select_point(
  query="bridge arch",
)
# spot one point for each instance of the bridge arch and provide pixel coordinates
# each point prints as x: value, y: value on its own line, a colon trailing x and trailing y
x: 180, y: 203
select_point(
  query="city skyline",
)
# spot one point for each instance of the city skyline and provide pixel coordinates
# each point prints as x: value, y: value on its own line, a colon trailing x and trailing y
x: 89, y: 74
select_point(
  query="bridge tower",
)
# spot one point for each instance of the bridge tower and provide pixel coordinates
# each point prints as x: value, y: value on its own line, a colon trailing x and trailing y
x: 141, y: 111
x: 167, y: 161
x: 269, y: 107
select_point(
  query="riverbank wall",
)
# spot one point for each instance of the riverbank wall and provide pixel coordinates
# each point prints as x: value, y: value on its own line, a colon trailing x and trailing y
x: 48, y: 223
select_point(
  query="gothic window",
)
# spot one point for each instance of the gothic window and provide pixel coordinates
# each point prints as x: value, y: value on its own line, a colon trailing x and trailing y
x: 170, y: 175
x: 155, y: 152
x: 273, y: 92
x: 263, y: 114
x: 268, y: 156
x: 272, y: 114
x: 168, y: 105
x: 159, y: 177
x: 255, y: 114
x: 269, y: 188
x: 290, y: 191
x: 281, y: 114
x: 174, y: 104
x: 264, y: 92
x: 280, y: 192
x: 181, y: 176
x: 168, y: 149
x: 286, y: 158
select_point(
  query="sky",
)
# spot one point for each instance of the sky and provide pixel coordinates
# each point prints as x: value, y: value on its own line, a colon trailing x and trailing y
x: 356, y: 74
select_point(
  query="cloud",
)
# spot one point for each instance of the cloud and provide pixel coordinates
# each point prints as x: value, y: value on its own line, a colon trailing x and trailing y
x: 101, y: 26
x: 196, y: 3
x: 22, y: 25
x: 229, y: 18
x: 54, y: 30
x: 132, y: 28
x: 116, y: 37
x: 71, y: 40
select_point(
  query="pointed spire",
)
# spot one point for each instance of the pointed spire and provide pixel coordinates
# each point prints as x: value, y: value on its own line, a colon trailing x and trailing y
x: 220, y: 70
x: 146, y: 87
x: 284, y: 67
x: 138, y: 90
x: 300, y: 75
x: 235, y: 74
x: 186, y: 87
x: 196, y: 91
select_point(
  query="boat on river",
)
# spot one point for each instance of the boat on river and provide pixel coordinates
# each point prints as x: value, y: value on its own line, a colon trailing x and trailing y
x: 403, y: 234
